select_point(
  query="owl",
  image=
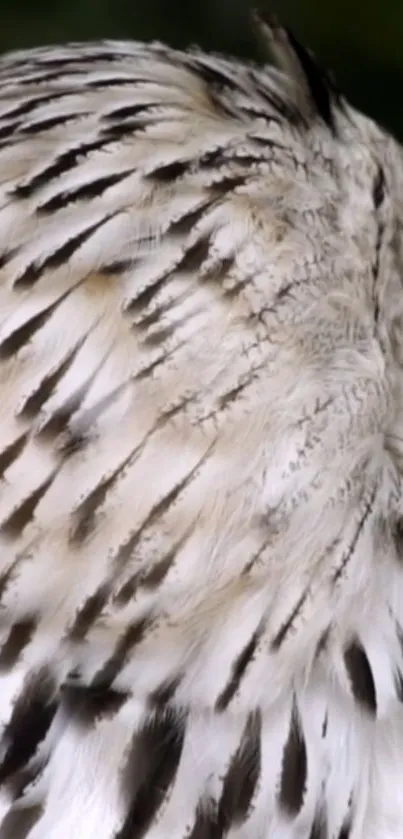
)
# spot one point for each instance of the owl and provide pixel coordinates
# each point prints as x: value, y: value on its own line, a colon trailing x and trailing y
x: 201, y: 449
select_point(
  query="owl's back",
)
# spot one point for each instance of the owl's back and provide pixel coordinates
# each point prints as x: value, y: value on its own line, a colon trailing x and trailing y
x: 200, y: 589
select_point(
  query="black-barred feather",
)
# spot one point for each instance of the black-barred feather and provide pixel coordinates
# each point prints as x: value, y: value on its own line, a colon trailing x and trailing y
x: 201, y: 587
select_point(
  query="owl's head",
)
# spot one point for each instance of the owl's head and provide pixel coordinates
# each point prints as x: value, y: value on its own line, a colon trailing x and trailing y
x: 357, y: 167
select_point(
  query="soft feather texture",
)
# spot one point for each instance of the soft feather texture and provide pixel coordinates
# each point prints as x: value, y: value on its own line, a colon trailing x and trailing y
x: 201, y: 584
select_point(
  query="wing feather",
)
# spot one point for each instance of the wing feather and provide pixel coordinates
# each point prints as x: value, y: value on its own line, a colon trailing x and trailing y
x: 199, y: 596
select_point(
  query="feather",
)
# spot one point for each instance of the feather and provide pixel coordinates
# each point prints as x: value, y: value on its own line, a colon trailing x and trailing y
x: 201, y: 578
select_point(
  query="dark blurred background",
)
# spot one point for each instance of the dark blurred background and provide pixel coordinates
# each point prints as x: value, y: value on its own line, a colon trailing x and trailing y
x: 360, y: 40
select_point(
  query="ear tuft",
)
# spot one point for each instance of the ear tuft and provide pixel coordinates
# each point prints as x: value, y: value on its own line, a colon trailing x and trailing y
x: 316, y: 92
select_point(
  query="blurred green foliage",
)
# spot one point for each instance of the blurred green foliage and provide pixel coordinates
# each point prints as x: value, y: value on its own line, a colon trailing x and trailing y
x: 361, y: 40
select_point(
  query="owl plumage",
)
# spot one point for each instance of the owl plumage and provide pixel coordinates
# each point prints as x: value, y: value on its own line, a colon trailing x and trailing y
x: 201, y: 429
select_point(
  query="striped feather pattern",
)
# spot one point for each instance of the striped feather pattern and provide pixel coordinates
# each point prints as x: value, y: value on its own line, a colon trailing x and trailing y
x: 201, y: 583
